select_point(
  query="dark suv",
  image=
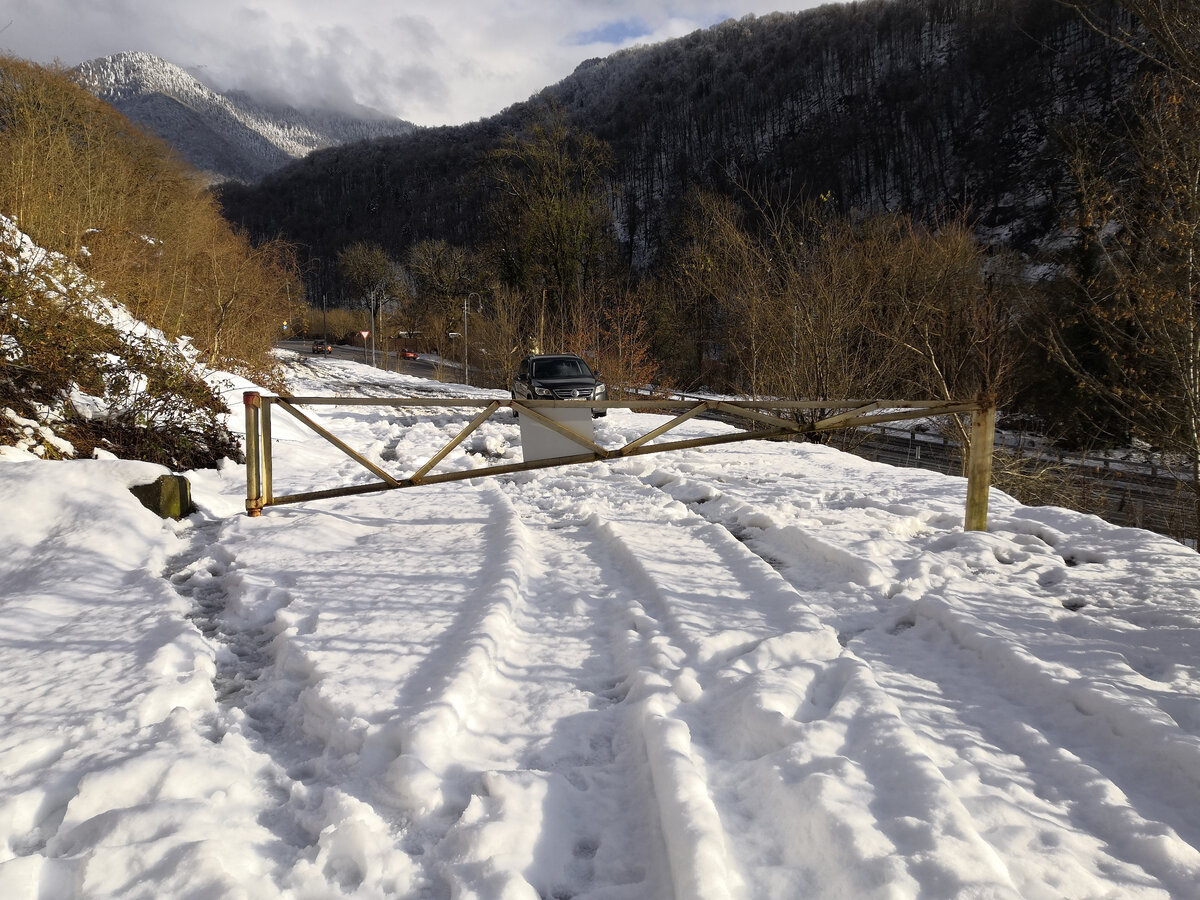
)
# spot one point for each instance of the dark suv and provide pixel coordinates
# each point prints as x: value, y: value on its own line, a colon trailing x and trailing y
x: 322, y: 347
x: 562, y: 376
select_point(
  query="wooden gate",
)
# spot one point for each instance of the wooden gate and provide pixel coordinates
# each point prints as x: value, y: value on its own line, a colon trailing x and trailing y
x: 761, y: 419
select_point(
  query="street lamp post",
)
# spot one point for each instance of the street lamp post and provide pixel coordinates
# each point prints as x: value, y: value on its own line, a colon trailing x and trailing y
x: 373, y: 301
x: 466, y: 343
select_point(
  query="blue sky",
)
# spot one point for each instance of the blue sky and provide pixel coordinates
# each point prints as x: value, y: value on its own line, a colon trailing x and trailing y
x: 615, y: 33
x: 431, y: 63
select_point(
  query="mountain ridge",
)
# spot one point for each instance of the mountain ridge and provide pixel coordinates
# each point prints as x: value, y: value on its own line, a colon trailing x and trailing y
x: 930, y: 108
x: 228, y: 136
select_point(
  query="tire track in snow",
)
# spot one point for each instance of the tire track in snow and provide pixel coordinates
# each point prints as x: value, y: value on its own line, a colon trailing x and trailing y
x: 761, y: 713
x: 1066, y: 791
x: 1087, y: 759
x: 678, y: 630
x: 768, y: 717
x: 661, y: 642
x: 524, y: 733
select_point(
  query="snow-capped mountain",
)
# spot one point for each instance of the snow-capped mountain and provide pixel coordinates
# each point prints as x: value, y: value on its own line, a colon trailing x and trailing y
x: 228, y: 136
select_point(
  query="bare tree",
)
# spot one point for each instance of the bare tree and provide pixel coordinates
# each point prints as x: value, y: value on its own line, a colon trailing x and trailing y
x: 374, y: 276
x: 1164, y: 31
x: 947, y: 307
x: 1139, y: 209
x: 1143, y: 209
x: 499, y: 335
x: 443, y: 277
x: 551, y: 208
x: 727, y: 268
x: 84, y: 181
x: 614, y: 336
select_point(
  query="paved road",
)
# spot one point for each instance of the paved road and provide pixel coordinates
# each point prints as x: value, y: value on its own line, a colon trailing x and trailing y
x: 421, y: 367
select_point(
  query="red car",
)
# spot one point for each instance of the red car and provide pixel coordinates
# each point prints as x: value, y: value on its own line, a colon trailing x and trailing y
x: 408, y: 354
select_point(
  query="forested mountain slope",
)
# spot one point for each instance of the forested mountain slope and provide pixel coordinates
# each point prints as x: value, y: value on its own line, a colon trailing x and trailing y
x: 920, y: 105
x: 228, y: 136
x: 928, y: 106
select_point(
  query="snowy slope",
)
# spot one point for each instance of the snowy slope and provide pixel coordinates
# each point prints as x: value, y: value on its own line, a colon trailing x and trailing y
x: 227, y: 135
x: 750, y: 671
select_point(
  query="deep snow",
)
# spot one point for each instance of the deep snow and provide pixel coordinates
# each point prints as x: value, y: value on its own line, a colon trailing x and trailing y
x: 753, y: 671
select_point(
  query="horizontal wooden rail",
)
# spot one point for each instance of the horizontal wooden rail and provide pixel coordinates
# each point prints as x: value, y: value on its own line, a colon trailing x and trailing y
x: 763, y: 419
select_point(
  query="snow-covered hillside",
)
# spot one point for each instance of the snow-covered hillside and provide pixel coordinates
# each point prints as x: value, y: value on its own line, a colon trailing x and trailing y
x: 121, y: 370
x: 749, y: 671
x: 226, y: 135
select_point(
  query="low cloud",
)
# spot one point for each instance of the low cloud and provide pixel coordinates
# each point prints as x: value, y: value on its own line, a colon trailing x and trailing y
x: 443, y: 63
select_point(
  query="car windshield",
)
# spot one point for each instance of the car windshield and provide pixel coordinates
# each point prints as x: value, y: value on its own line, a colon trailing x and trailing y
x: 560, y: 368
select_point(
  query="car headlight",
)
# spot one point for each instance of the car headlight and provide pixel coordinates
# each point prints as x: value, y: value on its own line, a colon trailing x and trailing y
x: 601, y: 392
x: 542, y: 392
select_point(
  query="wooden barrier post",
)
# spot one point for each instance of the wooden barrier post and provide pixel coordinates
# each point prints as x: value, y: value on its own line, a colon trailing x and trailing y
x: 254, y: 499
x: 979, y: 467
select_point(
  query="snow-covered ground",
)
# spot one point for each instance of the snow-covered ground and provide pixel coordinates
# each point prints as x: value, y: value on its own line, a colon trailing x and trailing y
x: 750, y: 671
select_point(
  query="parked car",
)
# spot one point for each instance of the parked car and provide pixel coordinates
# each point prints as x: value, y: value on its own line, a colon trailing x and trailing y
x: 562, y: 376
x: 408, y: 354
x: 322, y: 347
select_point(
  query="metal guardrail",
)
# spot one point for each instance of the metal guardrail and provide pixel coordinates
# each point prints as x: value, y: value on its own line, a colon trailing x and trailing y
x: 761, y: 418
x: 1029, y: 445
x: 1127, y: 492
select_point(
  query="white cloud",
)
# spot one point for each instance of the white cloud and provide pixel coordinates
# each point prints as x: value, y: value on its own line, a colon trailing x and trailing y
x: 440, y: 63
